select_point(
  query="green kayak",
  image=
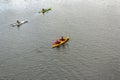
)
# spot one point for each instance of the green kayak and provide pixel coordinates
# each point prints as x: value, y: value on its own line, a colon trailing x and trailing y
x: 45, y: 10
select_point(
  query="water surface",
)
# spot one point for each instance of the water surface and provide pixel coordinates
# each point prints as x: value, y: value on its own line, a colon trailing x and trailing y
x: 93, y: 52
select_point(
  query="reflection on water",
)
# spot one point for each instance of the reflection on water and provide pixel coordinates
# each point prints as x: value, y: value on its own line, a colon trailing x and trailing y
x: 63, y: 47
x: 92, y: 53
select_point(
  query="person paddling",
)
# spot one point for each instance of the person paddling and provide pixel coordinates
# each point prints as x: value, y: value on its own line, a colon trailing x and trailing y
x: 18, y: 21
x: 43, y: 10
x: 62, y: 39
x: 57, y: 42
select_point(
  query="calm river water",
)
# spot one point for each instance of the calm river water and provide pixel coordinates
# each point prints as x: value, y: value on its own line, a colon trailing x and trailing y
x: 92, y: 53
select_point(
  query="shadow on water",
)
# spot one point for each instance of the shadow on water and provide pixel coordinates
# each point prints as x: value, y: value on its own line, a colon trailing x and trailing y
x: 18, y: 26
x: 63, y: 49
x: 64, y: 46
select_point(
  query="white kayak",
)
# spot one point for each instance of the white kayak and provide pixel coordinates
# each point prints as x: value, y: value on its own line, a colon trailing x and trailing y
x: 19, y: 24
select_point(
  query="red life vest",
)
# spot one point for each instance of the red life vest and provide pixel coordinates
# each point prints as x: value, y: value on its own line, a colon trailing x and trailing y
x: 57, y: 42
x: 62, y: 39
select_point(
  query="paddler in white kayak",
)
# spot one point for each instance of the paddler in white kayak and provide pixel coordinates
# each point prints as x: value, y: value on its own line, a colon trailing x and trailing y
x: 18, y: 21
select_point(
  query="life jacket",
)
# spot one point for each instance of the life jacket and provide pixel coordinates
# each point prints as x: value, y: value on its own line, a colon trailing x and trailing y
x: 62, y: 39
x: 57, y: 42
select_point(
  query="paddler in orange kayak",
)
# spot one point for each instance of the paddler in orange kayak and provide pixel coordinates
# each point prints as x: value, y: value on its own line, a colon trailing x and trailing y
x: 57, y: 42
x: 62, y: 39
x: 18, y: 21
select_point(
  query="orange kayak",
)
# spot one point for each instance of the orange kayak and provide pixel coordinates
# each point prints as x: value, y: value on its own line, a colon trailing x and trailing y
x: 61, y: 42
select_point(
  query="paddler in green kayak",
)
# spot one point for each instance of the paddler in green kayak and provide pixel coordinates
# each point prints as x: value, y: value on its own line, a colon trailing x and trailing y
x: 43, y: 10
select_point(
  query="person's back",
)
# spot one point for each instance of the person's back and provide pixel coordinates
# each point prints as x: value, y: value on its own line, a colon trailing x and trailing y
x: 62, y: 39
x: 18, y: 22
x: 43, y: 10
x: 57, y: 42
